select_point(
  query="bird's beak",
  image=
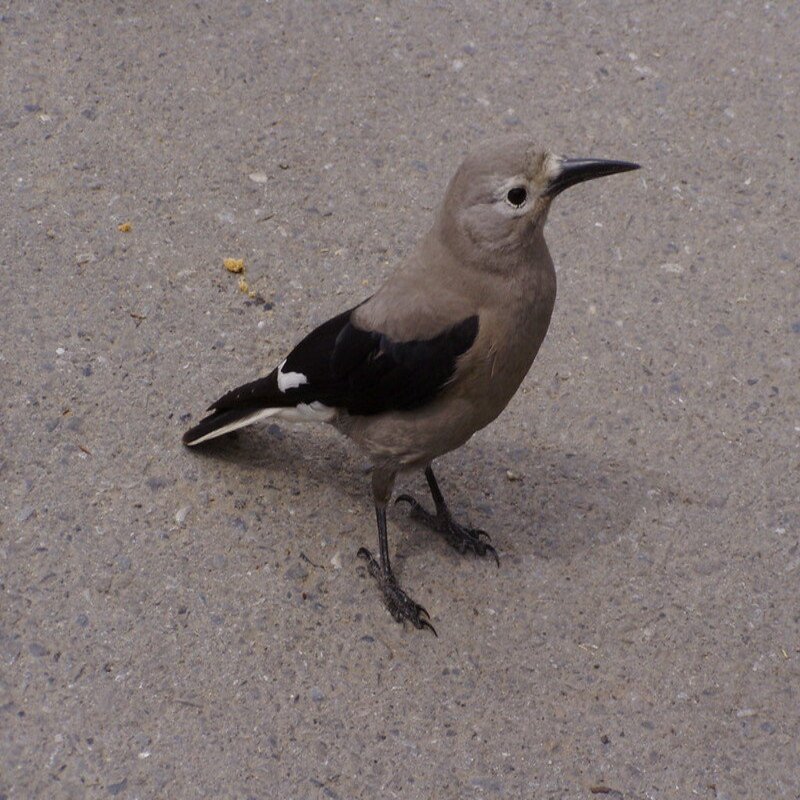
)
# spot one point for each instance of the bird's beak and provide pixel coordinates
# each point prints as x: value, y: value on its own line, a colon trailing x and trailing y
x: 577, y: 170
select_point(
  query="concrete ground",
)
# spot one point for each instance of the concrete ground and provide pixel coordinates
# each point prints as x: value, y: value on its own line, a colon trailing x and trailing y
x: 177, y: 624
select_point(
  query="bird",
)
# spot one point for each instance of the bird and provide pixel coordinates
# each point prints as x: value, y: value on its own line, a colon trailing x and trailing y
x: 438, y: 351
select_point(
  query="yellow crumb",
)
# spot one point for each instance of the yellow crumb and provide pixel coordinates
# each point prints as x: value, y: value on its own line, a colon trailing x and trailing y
x: 234, y: 265
x: 125, y: 227
x: 243, y: 287
x: 252, y: 295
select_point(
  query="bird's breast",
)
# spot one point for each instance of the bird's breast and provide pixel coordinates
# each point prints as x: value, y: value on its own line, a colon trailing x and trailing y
x: 509, y: 338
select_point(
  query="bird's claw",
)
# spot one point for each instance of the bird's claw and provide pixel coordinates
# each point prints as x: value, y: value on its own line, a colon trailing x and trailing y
x: 480, y: 547
x: 425, y: 624
x: 418, y: 511
x: 461, y: 538
x: 464, y: 539
x: 400, y: 605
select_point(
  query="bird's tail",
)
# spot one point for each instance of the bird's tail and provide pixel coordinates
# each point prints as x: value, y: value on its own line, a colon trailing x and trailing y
x: 221, y: 422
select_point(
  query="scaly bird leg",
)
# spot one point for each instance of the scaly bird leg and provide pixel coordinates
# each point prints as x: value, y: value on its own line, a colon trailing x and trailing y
x: 400, y: 605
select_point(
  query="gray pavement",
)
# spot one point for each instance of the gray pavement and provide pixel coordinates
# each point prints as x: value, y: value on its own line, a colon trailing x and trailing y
x: 177, y: 624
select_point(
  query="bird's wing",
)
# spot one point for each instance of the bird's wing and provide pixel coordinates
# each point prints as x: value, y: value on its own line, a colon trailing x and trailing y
x: 378, y: 374
x: 359, y: 371
x: 340, y: 366
x: 308, y: 363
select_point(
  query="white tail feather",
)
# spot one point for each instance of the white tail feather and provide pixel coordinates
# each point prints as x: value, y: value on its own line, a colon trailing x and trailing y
x: 303, y: 412
x: 240, y: 423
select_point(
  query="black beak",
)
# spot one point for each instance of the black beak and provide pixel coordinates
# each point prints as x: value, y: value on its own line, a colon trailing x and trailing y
x: 577, y: 170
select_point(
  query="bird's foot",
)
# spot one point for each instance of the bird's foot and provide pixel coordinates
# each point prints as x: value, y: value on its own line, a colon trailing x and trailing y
x: 463, y: 539
x: 400, y: 605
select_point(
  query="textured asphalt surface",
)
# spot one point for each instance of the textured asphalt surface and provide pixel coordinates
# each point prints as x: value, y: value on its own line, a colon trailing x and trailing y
x: 177, y: 624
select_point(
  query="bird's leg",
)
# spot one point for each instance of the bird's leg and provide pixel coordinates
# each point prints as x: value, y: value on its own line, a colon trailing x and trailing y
x: 400, y: 605
x: 462, y: 538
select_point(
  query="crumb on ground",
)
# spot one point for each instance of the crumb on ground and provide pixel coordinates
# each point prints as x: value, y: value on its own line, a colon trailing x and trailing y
x: 235, y: 265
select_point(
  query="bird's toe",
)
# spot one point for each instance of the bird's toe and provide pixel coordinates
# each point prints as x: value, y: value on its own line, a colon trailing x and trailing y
x: 400, y: 605
x: 473, y: 540
x: 419, y: 512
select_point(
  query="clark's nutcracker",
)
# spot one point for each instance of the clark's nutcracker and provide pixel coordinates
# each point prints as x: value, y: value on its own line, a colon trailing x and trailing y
x: 438, y: 351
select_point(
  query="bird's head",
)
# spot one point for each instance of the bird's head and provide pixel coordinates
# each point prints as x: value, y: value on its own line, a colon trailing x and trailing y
x: 497, y: 202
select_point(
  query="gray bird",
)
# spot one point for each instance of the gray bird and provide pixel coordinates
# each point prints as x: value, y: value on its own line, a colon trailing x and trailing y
x: 438, y: 351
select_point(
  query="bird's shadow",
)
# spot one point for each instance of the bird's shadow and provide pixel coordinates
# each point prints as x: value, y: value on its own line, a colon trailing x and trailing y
x: 550, y: 501
x: 542, y: 499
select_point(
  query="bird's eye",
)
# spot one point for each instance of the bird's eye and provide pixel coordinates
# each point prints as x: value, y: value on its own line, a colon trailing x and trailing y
x: 516, y: 196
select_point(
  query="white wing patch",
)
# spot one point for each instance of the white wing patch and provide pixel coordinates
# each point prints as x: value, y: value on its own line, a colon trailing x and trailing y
x: 289, y: 380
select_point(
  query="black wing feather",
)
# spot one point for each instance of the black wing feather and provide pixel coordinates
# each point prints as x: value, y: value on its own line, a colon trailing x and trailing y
x: 384, y: 375
x: 311, y: 357
x: 362, y: 372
